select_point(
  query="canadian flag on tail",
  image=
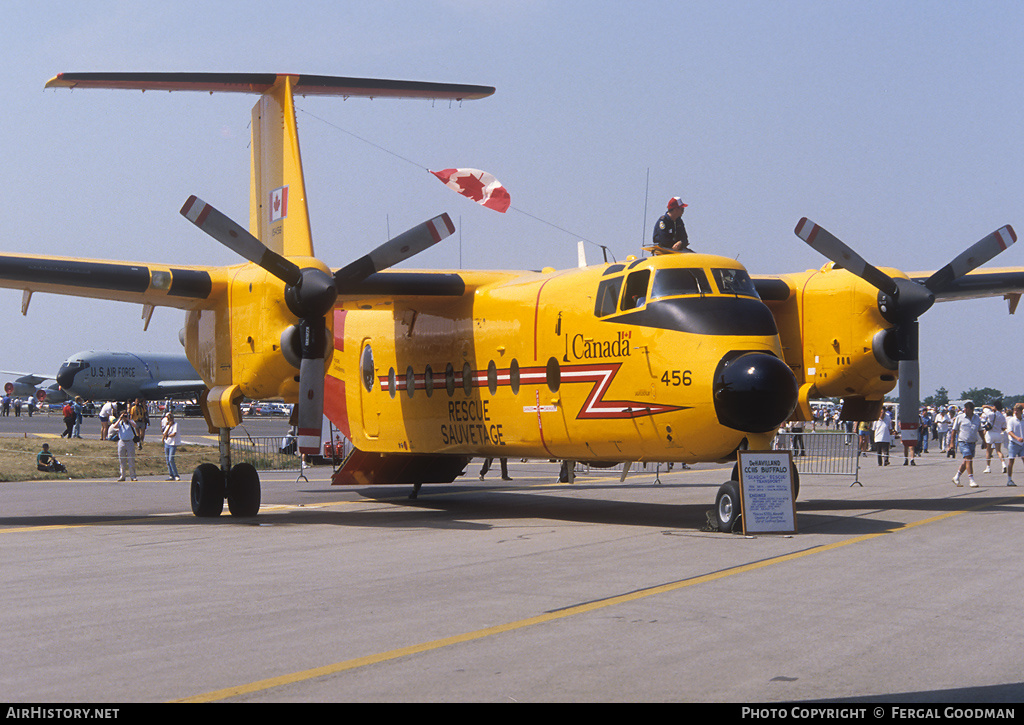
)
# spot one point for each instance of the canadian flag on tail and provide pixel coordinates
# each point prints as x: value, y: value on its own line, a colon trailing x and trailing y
x: 478, y: 185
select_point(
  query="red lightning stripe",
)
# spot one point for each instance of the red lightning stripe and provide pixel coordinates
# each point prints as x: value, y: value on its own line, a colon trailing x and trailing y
x: 595, y: 407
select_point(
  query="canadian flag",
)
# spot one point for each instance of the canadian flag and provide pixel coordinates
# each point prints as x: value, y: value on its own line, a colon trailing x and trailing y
x: 279, y: 204
x: 478, y: 185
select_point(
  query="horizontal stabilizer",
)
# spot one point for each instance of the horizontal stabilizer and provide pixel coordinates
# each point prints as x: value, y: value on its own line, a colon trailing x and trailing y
x: 259, y: 83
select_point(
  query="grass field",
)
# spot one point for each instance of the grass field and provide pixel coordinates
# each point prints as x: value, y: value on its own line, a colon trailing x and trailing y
x: 93, y: 459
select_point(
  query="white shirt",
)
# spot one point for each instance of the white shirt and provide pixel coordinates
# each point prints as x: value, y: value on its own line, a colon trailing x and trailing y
x: 998, y: 432
x: 881, y: 431
x: 1015, y: 426
x: 969, y: 428
x: 171, y: 437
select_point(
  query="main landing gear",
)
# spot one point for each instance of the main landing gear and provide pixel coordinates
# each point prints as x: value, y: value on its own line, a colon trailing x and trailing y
x: 240, y: 485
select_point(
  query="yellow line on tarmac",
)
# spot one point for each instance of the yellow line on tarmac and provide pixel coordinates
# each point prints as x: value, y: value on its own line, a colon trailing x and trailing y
x: 305, y: 675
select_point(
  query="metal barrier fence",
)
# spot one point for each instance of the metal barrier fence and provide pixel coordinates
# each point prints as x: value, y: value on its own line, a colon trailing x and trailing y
x: 264, y: 453
x: 832, y: 453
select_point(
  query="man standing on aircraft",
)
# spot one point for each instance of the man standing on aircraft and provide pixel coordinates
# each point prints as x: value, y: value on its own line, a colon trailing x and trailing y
x: 669, y: 232
x: 966, y: 433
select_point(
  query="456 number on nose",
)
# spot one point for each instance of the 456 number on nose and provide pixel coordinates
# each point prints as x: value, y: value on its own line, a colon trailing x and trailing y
x: 677, y: 377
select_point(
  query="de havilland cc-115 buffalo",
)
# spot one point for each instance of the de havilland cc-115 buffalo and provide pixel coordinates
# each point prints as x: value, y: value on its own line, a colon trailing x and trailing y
x: 673, y: 357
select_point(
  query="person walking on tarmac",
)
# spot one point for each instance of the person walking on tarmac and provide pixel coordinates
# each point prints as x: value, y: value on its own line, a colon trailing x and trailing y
x: 967, y: 431
x: 669, y: 232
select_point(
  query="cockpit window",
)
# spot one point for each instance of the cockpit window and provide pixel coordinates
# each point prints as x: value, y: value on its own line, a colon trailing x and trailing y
x: 673, y: 282
x: 636, y: 289
x: 608, y: 297
x: 734, y: 282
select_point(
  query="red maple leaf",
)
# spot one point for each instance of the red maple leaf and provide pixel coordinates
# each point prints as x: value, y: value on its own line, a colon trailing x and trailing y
x: 470, y: 186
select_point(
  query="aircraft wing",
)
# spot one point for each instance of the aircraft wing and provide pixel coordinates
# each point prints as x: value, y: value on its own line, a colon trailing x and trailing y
x: 159, y: 286
x: 997, y: 282
x: 172, y: 389
x: 980, y: 283
x: 27, y: 378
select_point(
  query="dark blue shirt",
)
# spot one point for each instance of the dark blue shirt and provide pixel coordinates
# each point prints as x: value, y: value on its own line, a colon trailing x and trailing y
x: 668, y: 231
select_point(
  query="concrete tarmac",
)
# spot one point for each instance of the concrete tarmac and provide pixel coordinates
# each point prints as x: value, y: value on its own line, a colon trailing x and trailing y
x: 906, y: 589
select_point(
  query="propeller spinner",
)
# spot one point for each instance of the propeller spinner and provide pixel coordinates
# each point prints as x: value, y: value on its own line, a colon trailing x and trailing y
x: 903, y: 301
x: 310, y: 294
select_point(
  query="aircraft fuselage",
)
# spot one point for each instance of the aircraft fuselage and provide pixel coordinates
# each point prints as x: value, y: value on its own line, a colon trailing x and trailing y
x: 670, y: 358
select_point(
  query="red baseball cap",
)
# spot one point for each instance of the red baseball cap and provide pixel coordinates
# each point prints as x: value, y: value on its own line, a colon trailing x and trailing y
x: 675, y: 202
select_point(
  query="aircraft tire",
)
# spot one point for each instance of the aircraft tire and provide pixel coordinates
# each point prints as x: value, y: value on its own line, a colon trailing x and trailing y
x: 728, y: 506
x: 243, y: 490
x: 207, y: 491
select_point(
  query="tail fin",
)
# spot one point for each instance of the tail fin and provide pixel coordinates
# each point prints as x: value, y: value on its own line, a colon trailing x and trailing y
x: 278, y: 216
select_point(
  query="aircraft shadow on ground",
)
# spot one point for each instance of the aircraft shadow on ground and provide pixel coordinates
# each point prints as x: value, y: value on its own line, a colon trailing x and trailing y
x: 483, y: 507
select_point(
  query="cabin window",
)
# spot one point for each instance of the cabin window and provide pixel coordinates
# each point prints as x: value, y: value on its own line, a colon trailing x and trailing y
x: 734, y: 282
x: 674, y: 282
x: 467, y: 379
x: 428, y: 380
x: 410, y: 381
x: 449, y: 379
x: 554, y: 375
x: 366, y: 368
x: 608, y: 296
x: 392, y: 382
x: 636, y: 289
x: 612, y: 269
x: 513, y: 376
x: 492, y: 378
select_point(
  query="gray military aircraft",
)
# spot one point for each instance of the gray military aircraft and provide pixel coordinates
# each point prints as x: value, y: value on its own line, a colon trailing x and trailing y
x: 102, y: 375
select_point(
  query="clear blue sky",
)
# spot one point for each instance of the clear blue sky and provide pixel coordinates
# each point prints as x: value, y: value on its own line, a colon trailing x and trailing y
x: 896, y: 125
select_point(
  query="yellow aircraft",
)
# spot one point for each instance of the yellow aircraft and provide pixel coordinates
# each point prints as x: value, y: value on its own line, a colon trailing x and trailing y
x: 674, y: 357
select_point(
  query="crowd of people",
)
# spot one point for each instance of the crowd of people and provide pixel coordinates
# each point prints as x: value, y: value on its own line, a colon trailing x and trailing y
x: 121, y: 422
x: 960, y: 432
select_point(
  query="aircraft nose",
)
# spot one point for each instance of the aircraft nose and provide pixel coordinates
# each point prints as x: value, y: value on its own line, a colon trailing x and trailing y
x: 754, y: 392
x: 66, y: 375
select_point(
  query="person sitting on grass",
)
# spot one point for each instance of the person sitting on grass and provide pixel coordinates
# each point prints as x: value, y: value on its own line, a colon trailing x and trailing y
x: 45, y: 461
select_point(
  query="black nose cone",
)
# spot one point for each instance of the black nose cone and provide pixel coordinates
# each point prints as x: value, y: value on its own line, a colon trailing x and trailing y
x: 66, y: 375
x: 754, y: 392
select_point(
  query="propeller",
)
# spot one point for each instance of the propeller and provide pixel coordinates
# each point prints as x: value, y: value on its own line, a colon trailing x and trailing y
x: 903, y: 301
x: 310, y: 294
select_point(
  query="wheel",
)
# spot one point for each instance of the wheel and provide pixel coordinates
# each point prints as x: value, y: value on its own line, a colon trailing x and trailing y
x: 243, y: 490
x: 728, y: 506
x: 796, y: 483
x: 207, y: 491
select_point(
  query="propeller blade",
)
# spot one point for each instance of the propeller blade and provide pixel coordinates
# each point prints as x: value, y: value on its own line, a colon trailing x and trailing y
x: 311, y: 384
x: 398, y: 249
x: 975, y: 256
x: 238, y: 240
x: 830, y: 246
